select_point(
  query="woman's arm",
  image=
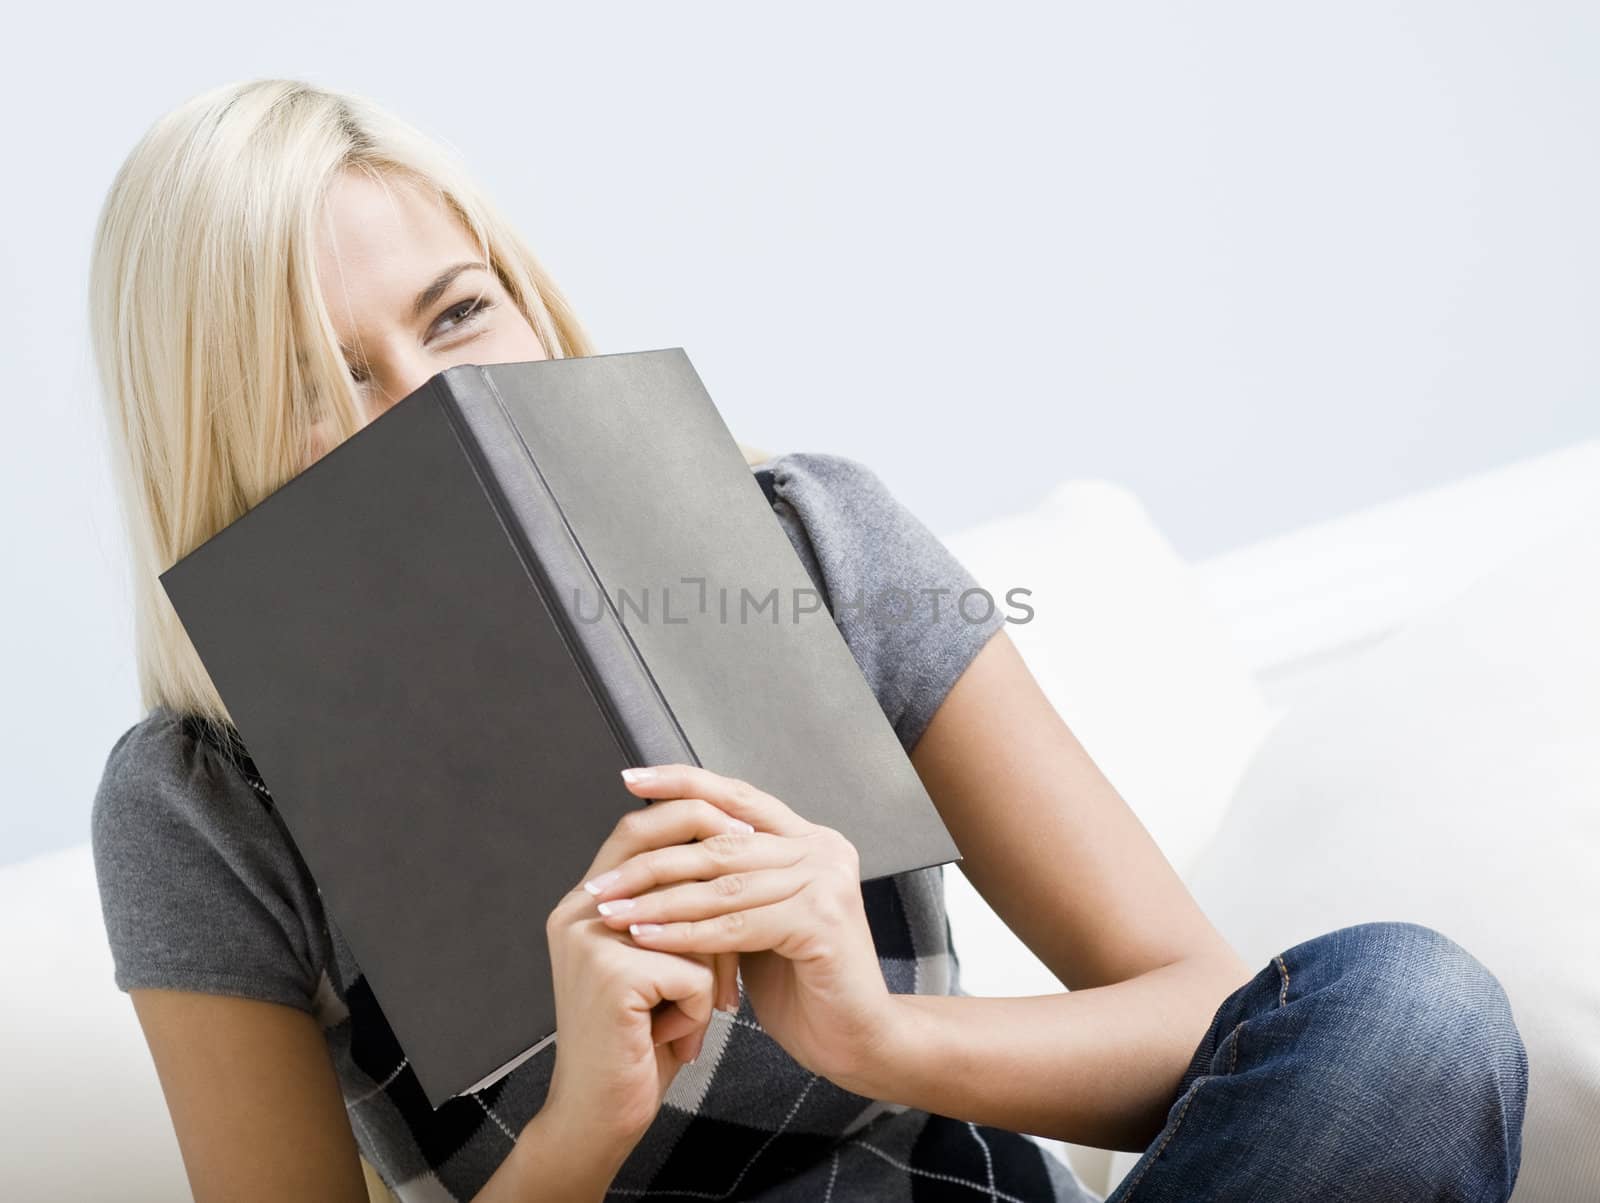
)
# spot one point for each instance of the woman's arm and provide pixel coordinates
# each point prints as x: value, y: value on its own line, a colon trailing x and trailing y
x: 1058, y: 854
x: 259, y: 1114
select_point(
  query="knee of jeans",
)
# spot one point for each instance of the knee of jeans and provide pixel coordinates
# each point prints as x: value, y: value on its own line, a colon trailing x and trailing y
x: 1436, y: 1024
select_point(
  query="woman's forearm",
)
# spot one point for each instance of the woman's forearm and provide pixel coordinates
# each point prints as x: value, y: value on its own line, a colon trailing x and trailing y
x: 1096, y: 1067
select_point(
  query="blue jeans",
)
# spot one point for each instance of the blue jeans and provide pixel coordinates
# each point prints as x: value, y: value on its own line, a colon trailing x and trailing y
x: 1377, y: 1063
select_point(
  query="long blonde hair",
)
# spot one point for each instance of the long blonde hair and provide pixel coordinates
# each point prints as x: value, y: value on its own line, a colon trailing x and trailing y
x: 214, y: 347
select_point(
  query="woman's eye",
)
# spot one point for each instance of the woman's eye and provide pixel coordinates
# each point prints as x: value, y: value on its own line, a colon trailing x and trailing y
x: 466, y: 311
x: 453, y: 318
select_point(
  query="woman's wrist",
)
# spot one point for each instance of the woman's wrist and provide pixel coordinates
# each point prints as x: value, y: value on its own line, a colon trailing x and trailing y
x: 883, y: 1066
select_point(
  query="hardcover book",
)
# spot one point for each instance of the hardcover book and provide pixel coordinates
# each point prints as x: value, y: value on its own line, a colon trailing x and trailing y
x: 441, y: 641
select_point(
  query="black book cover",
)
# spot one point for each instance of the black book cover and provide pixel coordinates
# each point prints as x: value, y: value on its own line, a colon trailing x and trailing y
x: 442, y: 640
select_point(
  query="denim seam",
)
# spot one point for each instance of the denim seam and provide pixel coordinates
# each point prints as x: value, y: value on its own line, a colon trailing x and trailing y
x: 1283, y: 990
x: 1233, y: 1060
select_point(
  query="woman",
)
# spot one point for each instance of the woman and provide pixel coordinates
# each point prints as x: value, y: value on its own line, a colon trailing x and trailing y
x: 739, y: 1017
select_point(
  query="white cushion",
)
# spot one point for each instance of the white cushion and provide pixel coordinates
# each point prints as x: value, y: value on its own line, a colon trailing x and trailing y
x: 1452, y: 777
x: 83, y: 1114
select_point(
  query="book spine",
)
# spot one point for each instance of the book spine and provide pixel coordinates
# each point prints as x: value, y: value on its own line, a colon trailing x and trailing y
x: 619, y: 680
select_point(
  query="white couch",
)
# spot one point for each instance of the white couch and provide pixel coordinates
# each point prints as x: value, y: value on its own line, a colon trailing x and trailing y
x: 1398, y: 711
x: 1329, y: 682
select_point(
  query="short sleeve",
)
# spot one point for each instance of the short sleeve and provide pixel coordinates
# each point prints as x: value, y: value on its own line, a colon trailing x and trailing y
x: 200, y: 885
x: 911, y: 613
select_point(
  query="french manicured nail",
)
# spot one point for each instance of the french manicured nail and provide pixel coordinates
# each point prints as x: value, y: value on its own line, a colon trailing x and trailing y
x: 644, y: 929
x: 598, y: 884
x: 616, y: 906
x: 638, y: 776
x: 739, y: 825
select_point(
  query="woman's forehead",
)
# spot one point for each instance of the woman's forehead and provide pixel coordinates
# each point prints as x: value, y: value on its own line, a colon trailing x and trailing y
x: 382, y: 240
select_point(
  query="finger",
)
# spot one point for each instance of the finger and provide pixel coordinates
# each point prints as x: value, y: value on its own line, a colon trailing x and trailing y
x: 673, y: 1027
x: 705, y: 899
x: 687, y: 1048
x: 676, y: 821
x: 728, y: 974
x: 783, y: 927
x: 733, y: 794
x: 725, y: 971
x: 730, y: 852
x: 670, y: 1022
x: 670, y: 978
x: 719, y: 968
x: 698, y: 1043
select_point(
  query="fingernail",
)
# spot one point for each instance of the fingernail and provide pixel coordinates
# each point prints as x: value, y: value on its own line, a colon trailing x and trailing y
x: 636, y: 776
x: 740, y: 825
x: 600, y: 883
x: 644, y: 929
x: 616, y: 906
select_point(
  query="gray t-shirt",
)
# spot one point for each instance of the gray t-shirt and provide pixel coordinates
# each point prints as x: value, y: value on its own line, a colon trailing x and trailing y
x: 203, y: 889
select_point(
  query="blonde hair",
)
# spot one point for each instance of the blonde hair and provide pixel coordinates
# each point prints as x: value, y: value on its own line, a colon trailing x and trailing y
x: 213, y: 344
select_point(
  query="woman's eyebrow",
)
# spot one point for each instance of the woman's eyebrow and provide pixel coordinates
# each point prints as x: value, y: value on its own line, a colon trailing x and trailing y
x: 441, y: 282
x: 430, y: 294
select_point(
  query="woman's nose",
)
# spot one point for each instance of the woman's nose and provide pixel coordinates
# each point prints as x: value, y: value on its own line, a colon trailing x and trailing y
x: 395, y: 383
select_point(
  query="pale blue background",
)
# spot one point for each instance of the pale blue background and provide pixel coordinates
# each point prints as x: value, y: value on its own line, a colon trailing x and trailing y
x: 1262, y: 263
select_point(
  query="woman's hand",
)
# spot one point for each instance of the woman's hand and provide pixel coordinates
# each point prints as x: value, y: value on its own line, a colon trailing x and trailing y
x: 786, y: 896
x: 629, y: 1017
